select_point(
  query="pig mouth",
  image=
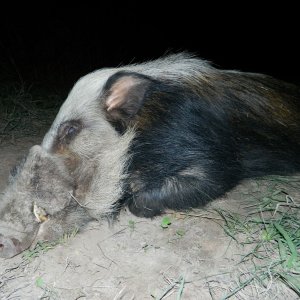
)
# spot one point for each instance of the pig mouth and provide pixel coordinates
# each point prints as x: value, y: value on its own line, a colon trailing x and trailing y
x: 11, y: 246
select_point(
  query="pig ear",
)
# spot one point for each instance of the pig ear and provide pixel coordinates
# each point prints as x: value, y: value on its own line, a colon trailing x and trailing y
x: 124, y: 95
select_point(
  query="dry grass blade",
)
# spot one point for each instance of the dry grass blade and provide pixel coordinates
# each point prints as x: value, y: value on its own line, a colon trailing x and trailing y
x: 273, y: 232
x: 24, y: 111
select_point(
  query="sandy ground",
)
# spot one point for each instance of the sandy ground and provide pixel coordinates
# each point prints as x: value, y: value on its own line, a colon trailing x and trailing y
x: 136, y: 258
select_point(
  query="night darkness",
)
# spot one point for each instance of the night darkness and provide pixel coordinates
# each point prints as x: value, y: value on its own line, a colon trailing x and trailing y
x: 54, y: 46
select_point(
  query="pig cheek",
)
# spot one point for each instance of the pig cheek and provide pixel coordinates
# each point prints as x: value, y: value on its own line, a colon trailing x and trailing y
x: 70, y: 159
x: 72, y: 163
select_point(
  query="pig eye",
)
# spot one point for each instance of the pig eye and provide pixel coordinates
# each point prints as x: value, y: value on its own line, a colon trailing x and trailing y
x: 69, y: 129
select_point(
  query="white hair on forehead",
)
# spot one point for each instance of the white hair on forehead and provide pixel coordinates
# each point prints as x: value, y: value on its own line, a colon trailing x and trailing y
x: 172, y: 67
x: 85, y: 92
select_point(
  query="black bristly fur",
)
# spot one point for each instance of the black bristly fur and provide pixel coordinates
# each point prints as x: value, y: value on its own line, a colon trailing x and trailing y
x: 224, y: 133
x: 185, y: 134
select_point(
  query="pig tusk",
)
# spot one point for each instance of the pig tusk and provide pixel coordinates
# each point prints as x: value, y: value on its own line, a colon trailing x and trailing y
x: 40, y: 213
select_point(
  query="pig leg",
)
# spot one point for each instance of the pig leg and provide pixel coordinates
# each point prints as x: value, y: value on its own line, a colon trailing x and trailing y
x: 149, y: 201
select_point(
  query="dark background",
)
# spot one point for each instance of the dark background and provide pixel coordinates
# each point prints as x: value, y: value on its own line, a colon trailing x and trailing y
x: 52, y: 46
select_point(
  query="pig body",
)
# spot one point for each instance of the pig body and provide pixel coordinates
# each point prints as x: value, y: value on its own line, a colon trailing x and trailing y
x: 173, y: 133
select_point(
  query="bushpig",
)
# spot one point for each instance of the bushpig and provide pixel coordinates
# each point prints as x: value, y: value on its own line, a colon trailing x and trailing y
x: 172, y: 133
x: 37, y: 204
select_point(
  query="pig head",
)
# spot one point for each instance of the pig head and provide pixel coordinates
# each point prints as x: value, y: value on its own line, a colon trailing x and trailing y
x: 37, y: 204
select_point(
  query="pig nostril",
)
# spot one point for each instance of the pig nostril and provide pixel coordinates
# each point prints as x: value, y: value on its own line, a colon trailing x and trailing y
x: 1, y: 246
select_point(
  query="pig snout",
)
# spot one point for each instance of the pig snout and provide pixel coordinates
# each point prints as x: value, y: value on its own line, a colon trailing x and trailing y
x: 39, y: 190
x: 9, y: 247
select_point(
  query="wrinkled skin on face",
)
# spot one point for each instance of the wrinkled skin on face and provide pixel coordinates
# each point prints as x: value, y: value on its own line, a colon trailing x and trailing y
x: 38, y: 204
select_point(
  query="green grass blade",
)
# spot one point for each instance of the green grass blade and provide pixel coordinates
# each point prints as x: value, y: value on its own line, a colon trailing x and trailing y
x: 290, y: 243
